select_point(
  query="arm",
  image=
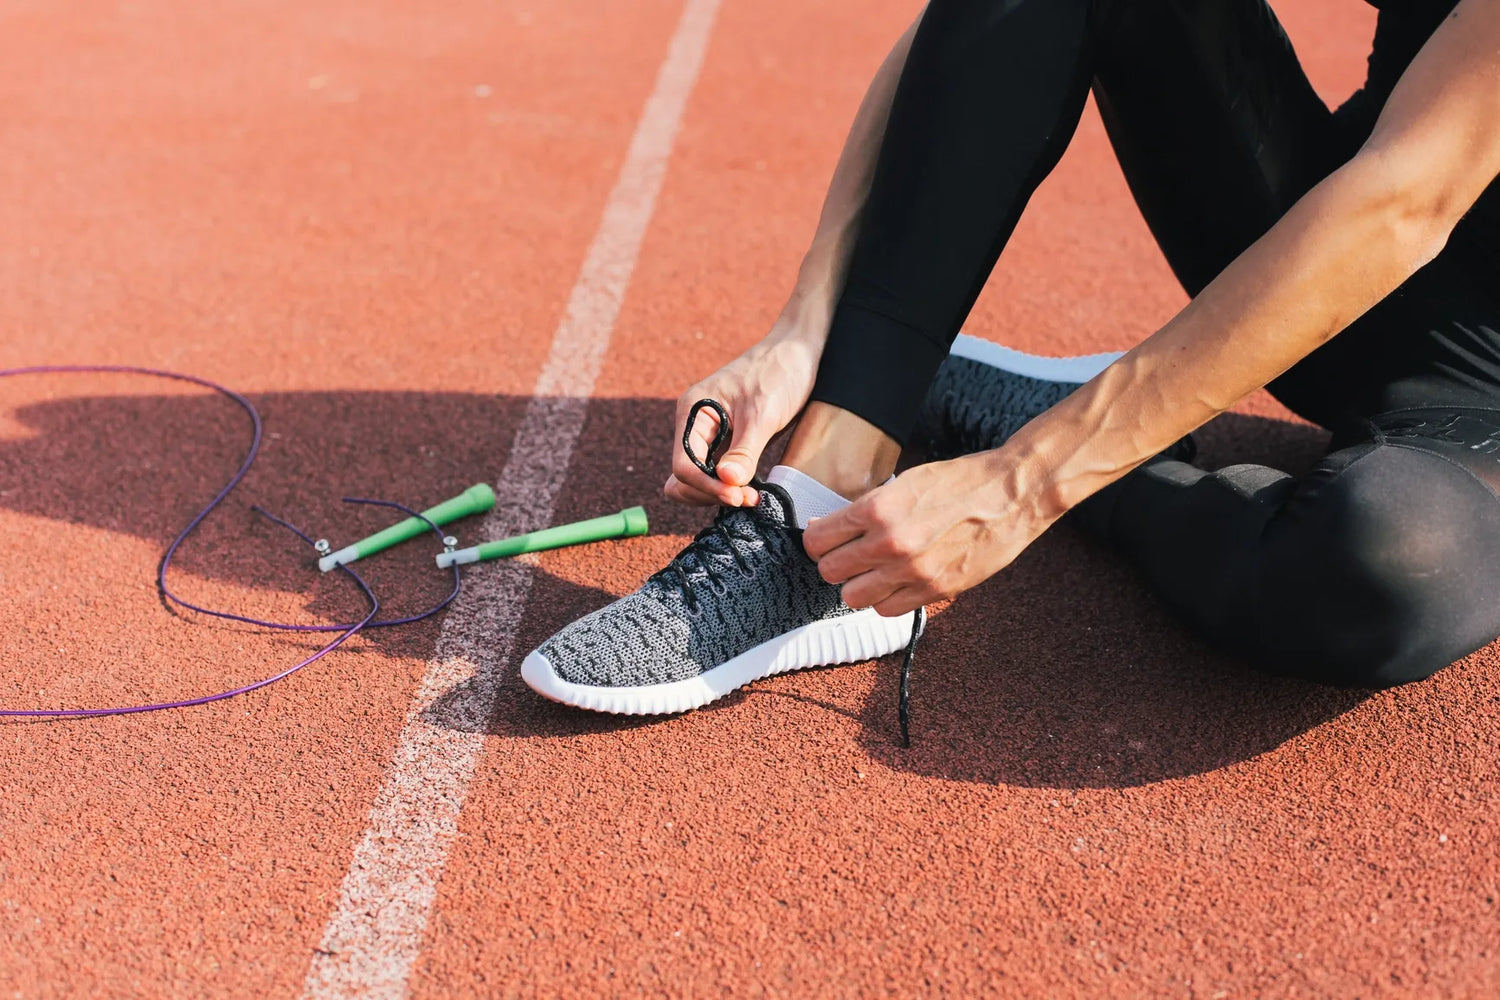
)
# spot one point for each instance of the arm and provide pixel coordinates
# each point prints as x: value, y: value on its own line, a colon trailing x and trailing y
x: 1350, y: 242
x: 764, y: 388
x: 1347, y: 244
x: 820, y: 279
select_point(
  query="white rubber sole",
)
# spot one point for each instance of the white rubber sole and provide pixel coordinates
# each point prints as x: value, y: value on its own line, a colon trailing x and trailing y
x: 1076, y: 369
x: 863, y: 635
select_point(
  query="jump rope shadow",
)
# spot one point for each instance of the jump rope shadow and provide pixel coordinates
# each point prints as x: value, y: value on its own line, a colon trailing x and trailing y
x: 1060, y: 672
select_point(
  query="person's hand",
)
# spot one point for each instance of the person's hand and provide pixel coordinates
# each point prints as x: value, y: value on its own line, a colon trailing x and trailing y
x: 933, y: 532
x: 762, y: 390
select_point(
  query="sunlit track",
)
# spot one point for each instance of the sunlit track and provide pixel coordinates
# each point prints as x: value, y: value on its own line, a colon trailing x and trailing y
x: 439, y: 245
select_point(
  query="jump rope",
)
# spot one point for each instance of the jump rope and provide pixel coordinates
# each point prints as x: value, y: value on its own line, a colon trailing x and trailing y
x: 476, y: 499
x: 473, y: 500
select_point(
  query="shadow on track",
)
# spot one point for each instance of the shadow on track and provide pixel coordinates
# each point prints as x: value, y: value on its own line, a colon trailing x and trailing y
x: 1065, y: 672
x: 72, y: 451
x: 1060, y: 672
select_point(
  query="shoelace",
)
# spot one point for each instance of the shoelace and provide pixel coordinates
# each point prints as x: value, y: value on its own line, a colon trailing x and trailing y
x: 703, y: 552
x: 903, y: 695
x: 709, y: 465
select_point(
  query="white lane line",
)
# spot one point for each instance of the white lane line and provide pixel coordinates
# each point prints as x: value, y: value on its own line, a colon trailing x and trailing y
x: 377, y: 928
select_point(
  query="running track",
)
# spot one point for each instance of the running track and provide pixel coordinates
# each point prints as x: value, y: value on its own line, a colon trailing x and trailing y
x: 493, y: 244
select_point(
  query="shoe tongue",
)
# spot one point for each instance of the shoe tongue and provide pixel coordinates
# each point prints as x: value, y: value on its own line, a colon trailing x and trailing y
x: 810, y: 498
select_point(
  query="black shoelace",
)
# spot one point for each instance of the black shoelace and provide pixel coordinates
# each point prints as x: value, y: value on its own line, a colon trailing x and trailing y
x: 704, y: 543
x: 704, y: 552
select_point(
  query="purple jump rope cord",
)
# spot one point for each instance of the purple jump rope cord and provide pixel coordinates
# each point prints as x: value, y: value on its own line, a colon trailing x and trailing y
x: 347, y: 630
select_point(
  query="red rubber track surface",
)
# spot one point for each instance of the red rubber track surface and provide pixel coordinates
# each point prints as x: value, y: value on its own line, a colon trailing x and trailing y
x: 368, y: 216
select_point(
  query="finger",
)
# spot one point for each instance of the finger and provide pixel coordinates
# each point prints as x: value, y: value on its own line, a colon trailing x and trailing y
x: 729, y: 496
x: 869, y: 589
x: 737, y: 465
x: 680, y: 492
x: 715, y: 491
x: 860, y: 555
x: 824, y: 534
x: 903, y: 601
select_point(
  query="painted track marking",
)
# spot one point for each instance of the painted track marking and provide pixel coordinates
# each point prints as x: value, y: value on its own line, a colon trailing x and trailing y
x: 376, y: 929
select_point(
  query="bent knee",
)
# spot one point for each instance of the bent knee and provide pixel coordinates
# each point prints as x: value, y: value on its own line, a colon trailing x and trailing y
x: 1387, y: 630
x: 1402, y: 579
x: 1388, y: 659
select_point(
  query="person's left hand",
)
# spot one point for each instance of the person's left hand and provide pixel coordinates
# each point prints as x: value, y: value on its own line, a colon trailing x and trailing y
x: 933, y: 532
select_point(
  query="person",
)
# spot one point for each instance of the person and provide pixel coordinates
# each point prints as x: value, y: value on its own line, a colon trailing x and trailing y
x: 1348, y: 260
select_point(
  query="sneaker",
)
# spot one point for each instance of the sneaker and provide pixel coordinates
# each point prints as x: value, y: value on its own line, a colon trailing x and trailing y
x: 743, y: 601
x: 983, y: 393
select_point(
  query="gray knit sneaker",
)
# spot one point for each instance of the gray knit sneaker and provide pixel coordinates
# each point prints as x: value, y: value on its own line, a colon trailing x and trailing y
x: 743, y: 601
x: 983, y: 393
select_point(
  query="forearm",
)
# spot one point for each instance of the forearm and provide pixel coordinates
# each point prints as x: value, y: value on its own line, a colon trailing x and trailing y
x: 1346, y: 245
x: 820, y: 279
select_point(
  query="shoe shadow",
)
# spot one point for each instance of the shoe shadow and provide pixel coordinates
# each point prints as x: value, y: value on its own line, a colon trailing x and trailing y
x: 1064, y: 672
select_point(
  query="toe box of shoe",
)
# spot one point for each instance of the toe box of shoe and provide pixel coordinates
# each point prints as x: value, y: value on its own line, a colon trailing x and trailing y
x: 634, y: 642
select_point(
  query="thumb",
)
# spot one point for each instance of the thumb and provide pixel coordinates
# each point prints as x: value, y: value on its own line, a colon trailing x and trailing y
x: 737, y: 465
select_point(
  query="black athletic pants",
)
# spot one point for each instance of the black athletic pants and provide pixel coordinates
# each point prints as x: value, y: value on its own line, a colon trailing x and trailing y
x: 1381, y: 565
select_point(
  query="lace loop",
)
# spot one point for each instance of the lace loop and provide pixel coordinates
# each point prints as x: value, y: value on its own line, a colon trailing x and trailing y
x: 723, y: 435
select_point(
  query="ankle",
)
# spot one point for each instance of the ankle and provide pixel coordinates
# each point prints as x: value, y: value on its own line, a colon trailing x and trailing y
x: 846, y: 453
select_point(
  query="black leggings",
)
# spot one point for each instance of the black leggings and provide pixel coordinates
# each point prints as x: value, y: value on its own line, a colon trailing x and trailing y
x: 1381, y: 565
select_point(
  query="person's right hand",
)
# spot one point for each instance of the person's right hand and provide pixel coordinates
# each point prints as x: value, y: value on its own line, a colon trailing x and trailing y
x: 762, y: 390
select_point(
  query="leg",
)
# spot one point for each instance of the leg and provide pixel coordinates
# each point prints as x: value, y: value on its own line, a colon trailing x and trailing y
x: 1266, y: 137
x: 1377, y: 568
x: 1218, y: 129
x: 989, y: 97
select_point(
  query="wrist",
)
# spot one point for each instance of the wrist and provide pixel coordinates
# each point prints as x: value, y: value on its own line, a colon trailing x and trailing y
x: 820, y: 282
x: 1025, y: 478
x: 805, y: 318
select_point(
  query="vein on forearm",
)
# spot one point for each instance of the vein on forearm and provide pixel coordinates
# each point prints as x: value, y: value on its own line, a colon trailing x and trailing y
x: 1346, y: 245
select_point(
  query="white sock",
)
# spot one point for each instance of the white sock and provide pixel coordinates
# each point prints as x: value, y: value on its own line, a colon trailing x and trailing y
x: 810, y: 497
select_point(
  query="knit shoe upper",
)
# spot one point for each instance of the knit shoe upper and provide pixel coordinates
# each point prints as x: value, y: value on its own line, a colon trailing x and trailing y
x: 742, y: 581
x: 742, y: 601
x: 983, y: 393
